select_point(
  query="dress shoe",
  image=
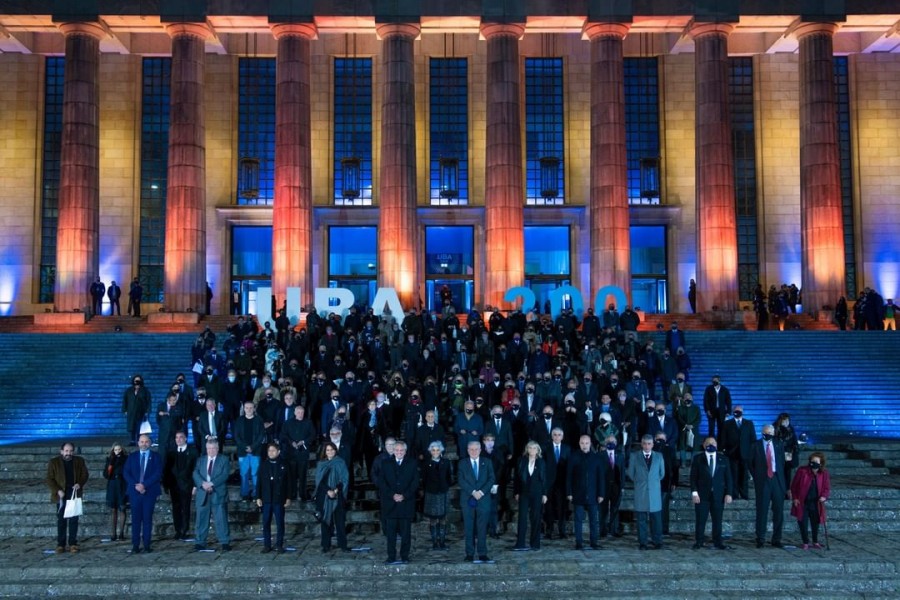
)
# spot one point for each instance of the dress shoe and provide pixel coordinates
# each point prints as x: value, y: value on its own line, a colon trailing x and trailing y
x: 60, y: 549
x: 759, y: 544
x: 721, y: 547
x: 226, y: 547
x: 595, y: 546
x: 199, y: 547
x: 805, y: 546
x: 777, y: 545
x: 642, y: 547
x: 817, y: 546
x: 279, y: 550
x: 469, y: 558
x: 114, y: 538
x: 657, y: 546
x: 148, y: 550
x: 135, y: 550
x: 392, y: 561
x: 579, y: 546
x: 484, y: 558
x: 265, y: 550
x: 73, y: 549
x: 520, y: 548
x: 697, y: 546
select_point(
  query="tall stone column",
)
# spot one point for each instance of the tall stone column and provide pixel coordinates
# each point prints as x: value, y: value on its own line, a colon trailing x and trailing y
x: 504, y: 194
x: 78, y: 233
x: 717, y: 276
x: 821, y: 214
x: 398, y: 247
x: 185, y: 268
x: 292, y: 212
x: 610, y: 225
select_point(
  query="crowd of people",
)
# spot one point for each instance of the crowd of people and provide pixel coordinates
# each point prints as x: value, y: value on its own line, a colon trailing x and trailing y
x: 870, y: 312
x: 550, y: 419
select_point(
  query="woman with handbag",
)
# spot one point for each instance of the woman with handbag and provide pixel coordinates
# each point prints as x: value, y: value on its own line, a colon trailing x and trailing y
x: 332, y: 479
x: 116, y: 496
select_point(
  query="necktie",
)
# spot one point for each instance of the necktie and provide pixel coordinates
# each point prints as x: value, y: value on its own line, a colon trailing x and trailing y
x: 212, y: 425
x: 497, y: 421
x: 475, y: 468
x: 209, y: 467
x: 647, y: 459
x: 399, y: 462
x: 712, y: 466
x: 612, y: 459
x: 556, y: 449
x: 143, y: 465
x: 770, y: 459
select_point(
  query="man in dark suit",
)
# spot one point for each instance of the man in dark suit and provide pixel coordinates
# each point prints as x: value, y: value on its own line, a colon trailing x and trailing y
x: 398, y: 483
x: 543, y: 426
x: 298, y: 437
x: 476, y: 477
x: 274, y: 487
x: 210, y: 424
x: 767, y: 469
x: 136, y: 406
x: 670, y: 479
x: 615, y: 480
x: 178, y: 479
x: 585, y: 489
x: 114, y: 292
x: 717, y: 404
x: 557, y: 457
x: 710, y: 492
x: 143, y: 474
x: 660, y: 423
x: 738, y: 436
x: 97, y: 292
x: 210, y: 479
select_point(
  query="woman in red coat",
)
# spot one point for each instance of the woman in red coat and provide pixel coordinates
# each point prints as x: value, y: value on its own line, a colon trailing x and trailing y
x: 809, y: 490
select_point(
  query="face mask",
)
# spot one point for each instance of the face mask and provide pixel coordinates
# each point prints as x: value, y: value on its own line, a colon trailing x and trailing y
x: 489, y: 446
x: 650, y: 410
x: 715, y: 383
x: 611, y: 446
x: 767, y: 437
x: 547, y: 416
x: 814, y: 466
x: 680, y: 380
x: 738, y: 414
x: 711, y: 449
x: 635, y: 378
x: 231, y: 379
x: 660, y: 413
x: 658, y: 443
x: 516, y: 406
x: 469, y: 411
x: 688, y: 402
x: 603, y: 422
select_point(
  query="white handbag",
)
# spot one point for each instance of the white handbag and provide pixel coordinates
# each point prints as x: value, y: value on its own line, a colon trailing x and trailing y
x: 74, y: 507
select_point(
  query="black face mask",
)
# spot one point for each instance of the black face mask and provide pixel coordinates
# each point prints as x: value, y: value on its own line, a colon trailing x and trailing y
x: 547, y: 416
x: 711, y: 449
x: 767, y: 437
x: 738, y: 414
x: 660, y: 413
x: 815, y: 466
x: 469, y: 411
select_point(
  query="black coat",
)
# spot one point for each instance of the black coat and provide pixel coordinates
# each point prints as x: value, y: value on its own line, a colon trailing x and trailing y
x: 534, y: 485
x: 710, y: 488
x: 400, y: 479
x: 274, y: 481
x: 585, y: 478
x: 178, y: 470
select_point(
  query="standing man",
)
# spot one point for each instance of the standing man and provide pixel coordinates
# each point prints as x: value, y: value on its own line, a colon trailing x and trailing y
x: 717, y: 404
x: 97, y: 292
x: 274, y: 487
x: 646, y: 469
x: 249, y: 437
x: 710, y: 491
x: 585, y: 489
x: 615, y: 483
x: 114, y: 292
x: 209, y: 297
x: 298, y: 437
x: 135, y: 406
x: 178, y: 478
x: 738, y: 436
x: 476, y: 477
x: 143, y: 473
x: 66, y: 476
x: 135, y: 295
x: 210, y: 478
x: 398, y: 483
x: 767, y: 469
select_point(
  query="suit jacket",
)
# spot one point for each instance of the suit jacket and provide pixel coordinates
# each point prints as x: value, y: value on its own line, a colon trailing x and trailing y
x: 737, y: 441
x: 724, y: 400
x: 179, y: 469
x: 219, y: 478
x: 274, y: 481
x: 614, y: 476
x: 534, y: 485
x: 759, y: 468
x: 539, y: 431
x: 152, y: 474
x: 203, y: 425
x: 669, y: 427
x: 468, y: 483
x: 556, y: 471
x: 585, y: 478
x: 400, y: 479
x: 710, y: 487
x: 503, y: 438
x: 56, y: 476
x: 249, y: 432
x: 647, y: 481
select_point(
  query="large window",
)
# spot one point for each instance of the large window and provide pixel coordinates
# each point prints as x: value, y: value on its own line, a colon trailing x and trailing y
x: 352, y: 131
x: 547, y: 261
x: 449, y: 129
x: 449, y: 267
x: 544, y: 131
x: 54, y: 78
x: 352, y: 256
x: 740, y: 98
x: 649, y: 281
x: 256, y: 131
x: 157, y: 74
x: 845, y: 149
x: 641, y: 126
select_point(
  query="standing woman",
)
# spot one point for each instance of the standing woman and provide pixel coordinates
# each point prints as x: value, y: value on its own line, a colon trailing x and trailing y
x: 436, y: 482
x: 784, y: 432
x: 332, y: 479
x: 116, y: 497
x: 810, y: 489
x: 841, y: 313
x: 530, y: 488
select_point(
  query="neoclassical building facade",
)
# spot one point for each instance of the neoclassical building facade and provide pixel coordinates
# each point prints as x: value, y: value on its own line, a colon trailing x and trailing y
x: 469, y: 147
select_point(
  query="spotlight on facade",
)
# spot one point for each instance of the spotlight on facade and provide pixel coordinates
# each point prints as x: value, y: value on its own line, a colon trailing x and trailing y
x: 248, y: 178
x: 350, y: 168
x: 549, y: 177
x: 650, y: 177
x: 448, y: 171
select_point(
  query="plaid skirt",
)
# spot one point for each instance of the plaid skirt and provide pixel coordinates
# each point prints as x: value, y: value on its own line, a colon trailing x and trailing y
x: 435, y: 506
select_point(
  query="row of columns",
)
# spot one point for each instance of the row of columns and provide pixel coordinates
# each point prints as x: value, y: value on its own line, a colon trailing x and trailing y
x: 398, y: 255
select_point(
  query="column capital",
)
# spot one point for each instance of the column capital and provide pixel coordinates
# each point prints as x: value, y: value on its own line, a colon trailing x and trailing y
x: 200, y: 30
x: 386, y: 30
x: 304, y: 30
x: 594, y: 29
x: 93, y: 29
x: 489, y: 30
x: 804, y: 29
x: 697, y: 29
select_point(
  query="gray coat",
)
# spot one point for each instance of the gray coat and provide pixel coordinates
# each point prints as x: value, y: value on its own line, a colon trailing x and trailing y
x: 647, y: 487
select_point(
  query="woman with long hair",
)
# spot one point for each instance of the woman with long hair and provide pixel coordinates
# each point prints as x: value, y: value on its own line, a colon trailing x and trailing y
x: 332, y: 480
x: 116, y: 496
x: 530, y: 488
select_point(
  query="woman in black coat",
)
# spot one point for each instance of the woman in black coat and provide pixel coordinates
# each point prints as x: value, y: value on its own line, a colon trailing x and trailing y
x: 436, y: 481
x: 530, y: 488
